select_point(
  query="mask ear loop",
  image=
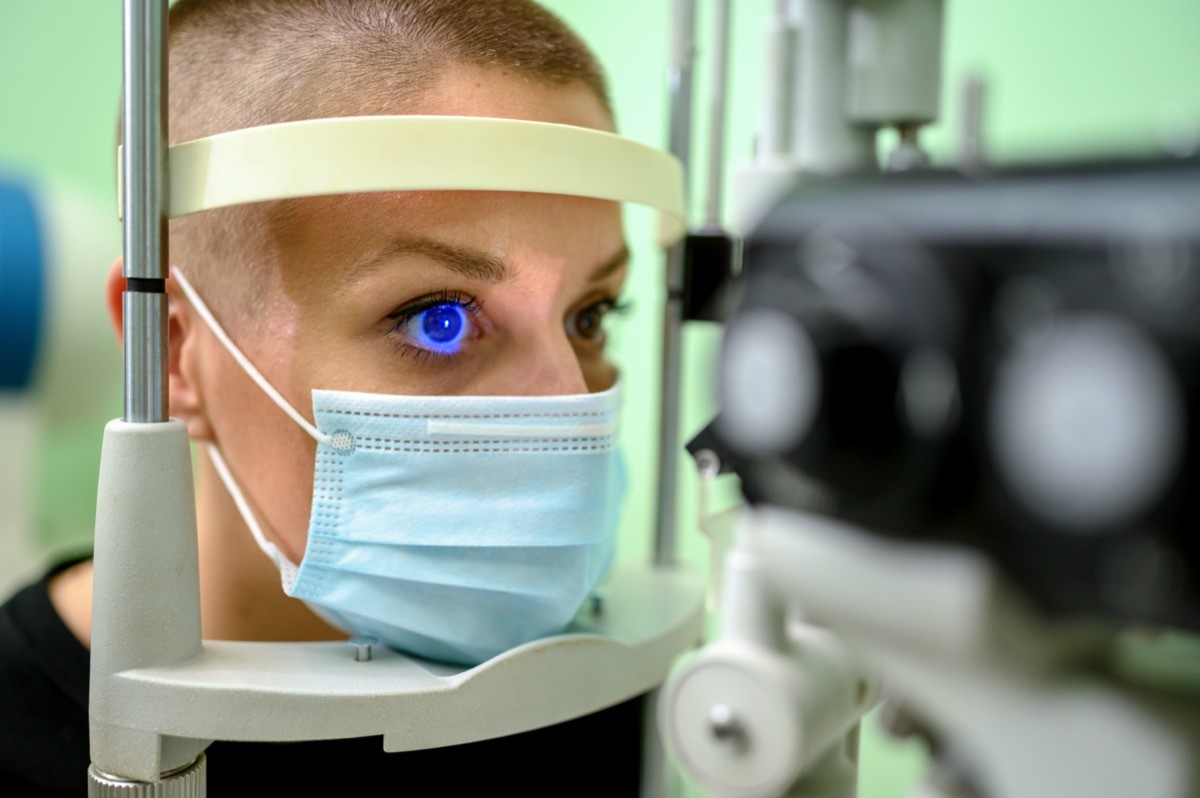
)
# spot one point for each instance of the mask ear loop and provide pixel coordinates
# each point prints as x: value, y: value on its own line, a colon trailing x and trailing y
x: 248, y: 367
x: 288, y: 570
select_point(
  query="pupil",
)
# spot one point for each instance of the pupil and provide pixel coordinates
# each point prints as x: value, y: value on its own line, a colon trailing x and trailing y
x: 443, y: 323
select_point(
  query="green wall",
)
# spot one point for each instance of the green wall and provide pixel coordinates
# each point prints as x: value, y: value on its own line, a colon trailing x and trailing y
x: 59, y: 88
x: 1064, y: 77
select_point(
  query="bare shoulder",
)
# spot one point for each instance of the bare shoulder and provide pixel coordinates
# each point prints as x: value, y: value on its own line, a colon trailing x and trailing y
x: 71, y: 595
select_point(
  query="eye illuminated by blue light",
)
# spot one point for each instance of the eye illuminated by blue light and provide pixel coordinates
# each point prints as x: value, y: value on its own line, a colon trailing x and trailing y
x: 441, y: 328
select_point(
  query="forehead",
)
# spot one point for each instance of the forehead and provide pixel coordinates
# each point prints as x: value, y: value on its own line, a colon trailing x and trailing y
x: 465, y: 90
x: 316, y: 239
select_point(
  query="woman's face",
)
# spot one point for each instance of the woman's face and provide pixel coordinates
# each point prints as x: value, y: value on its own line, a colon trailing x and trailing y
x: 495, y: 293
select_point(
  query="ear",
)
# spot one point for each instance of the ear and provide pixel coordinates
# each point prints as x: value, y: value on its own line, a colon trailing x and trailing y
x: 114, y: 287
x: 183, y: 386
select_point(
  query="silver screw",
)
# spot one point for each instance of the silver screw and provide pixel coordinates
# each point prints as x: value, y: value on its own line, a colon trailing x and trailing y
x: 726, y: 727
x: 708, y: 464
x: 907, y: 155
x: 363, y: 645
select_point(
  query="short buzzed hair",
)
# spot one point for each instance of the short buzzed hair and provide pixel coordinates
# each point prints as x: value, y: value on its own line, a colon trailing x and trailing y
x: 235, y: 64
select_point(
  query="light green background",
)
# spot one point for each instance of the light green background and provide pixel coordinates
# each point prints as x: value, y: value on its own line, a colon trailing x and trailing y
x: 1065, y: 78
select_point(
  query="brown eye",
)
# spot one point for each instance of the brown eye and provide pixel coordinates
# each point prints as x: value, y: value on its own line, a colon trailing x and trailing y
x: 588, y: 323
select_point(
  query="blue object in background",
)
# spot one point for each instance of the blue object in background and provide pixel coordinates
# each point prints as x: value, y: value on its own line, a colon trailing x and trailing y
x: 22, y: 286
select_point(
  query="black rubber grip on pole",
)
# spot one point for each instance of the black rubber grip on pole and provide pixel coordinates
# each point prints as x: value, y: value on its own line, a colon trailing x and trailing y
x: 145, y: 285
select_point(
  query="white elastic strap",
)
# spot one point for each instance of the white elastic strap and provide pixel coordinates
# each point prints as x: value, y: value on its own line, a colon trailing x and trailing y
x: 243, y: 361
x: 287, y: 569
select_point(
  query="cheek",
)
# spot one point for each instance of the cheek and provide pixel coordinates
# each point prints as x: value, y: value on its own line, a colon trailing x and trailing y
x: 271, y: 457
x: 599, y: 373
x: 286, y: 477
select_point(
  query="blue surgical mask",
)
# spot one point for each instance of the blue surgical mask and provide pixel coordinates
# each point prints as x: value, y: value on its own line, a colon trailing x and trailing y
x: 450, y: 527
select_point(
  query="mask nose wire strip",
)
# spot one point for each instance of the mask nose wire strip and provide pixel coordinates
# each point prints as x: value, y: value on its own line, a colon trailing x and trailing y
x: 437, y: 427
x: 244, y: 362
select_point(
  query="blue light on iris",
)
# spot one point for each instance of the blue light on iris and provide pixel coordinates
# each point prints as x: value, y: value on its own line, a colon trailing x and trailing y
x: 442, y: 328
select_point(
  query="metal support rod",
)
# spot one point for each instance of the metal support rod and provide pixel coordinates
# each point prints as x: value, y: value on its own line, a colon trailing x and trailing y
x: 683, y: 49
x: 669, y: 441
x: 775, y: 130
x: 971, y: 156
x: 716, y: 140
x: 143, y: 166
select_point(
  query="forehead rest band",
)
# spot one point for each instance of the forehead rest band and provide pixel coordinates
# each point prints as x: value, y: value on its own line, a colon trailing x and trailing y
x: 350, y: 155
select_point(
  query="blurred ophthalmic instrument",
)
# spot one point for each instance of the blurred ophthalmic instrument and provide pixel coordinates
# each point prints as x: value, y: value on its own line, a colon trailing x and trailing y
x: 962, y: 406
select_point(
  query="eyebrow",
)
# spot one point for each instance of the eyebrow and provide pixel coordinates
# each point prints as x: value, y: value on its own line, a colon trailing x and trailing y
x: 606, y: 269
x: 472, y: 263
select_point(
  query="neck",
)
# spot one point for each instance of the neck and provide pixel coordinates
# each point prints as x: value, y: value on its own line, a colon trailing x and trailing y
x: 240, y: 594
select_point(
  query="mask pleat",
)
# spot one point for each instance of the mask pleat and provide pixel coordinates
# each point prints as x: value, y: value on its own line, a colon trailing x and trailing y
x: 494, y: 569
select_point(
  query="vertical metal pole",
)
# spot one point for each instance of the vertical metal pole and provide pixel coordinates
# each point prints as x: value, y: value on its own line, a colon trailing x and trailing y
x: 779, y: 47
x: 143, y: 166
x: 716, y: 139
x: 971, y: 156
x: 683, y: 50
x: 146, y: 587
x: 658, y: 777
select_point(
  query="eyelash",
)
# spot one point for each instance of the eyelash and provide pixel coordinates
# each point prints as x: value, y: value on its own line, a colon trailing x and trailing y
x: 403, y: 316
x: 607, y: 306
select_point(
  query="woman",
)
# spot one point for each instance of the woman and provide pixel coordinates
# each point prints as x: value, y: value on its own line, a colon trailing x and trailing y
x: 413, y: 294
